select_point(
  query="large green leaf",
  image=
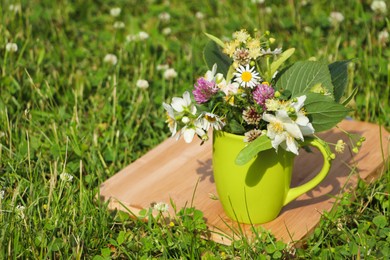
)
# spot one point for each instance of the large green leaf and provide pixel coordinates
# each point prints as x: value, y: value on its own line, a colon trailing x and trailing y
x: 301, y: 77
x: 339, y: 73
x: 212, y: 54
x: 261, y: 143
x: 324, y: 112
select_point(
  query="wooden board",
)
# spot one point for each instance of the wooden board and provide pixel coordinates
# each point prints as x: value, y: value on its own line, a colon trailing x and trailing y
x: 173, y: 169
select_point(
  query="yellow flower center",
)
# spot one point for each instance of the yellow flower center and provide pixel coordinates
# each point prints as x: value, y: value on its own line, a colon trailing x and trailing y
x: 277, y: 127
x: 246, y: 76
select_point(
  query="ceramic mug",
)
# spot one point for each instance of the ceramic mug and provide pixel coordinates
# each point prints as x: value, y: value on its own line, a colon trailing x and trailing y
x: 257, y: 191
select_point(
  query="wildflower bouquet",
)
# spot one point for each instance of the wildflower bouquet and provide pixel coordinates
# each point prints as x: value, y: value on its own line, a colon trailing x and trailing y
x: 247, y: 91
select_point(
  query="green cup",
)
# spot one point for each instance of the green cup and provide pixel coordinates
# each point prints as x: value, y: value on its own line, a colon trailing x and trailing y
x: 257, y: 191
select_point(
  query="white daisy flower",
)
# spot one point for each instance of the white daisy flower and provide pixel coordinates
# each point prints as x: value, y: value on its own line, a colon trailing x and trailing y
x: 211, y: 120
x: 11, y: 47
x: 115, y: 11
x: 246, y: 76
x: 141, y: 83
x: 170, y: 74
x: 110, y: 58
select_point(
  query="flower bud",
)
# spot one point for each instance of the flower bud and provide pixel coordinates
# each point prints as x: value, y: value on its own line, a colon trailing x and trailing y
x: 355, y: 150
x: 185, y: 120
x: 277, y: 94
x: 271, y: 40
x: 252, y: 63
x: 332, y: 156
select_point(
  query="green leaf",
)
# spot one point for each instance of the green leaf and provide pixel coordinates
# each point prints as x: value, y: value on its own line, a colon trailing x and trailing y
x: 235, y: 127
x: 261, y: 143
x: 212, y: 54
x: 216, y: 40
x: 301, y: 77
x: 325, y: 113
x: 282, y: 58
x: 380, y: 221
x: 339, y: 73
x: 350, y: 97
x: 121, y: 237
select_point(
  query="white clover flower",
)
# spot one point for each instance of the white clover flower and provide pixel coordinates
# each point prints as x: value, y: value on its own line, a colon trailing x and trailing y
x: 268, y: 10
x: 162, y: 66
x: 379, y: 7
x: 66, y: 177
x: 119, y: 25
x: 170, y: 74
x: 143, y: 35
x: 20, y: 211
x: 131, y: 38
x: 336, y: 18
x: 141, y: 83
x: 167, y: 31
x: 161, y: 207
x: 115, y: 12
x: 11, y: 47
x: 258, y: 1
x: 199, y: 15
x: 383, y: 37
x: 164, y: 17
x: 15, y: 8
x: 2, y: 194
x: 110, y: 58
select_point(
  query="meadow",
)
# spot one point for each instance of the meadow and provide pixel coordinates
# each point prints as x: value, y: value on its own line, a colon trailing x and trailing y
x: 81, y: 91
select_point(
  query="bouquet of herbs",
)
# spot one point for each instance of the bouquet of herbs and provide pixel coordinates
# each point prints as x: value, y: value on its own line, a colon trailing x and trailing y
x: 247, y: 91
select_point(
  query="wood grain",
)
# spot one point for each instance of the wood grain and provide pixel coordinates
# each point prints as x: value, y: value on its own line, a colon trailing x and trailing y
x: 173, y: 170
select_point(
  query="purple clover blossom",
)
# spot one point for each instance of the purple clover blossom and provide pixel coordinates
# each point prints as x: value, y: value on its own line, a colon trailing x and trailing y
x: 262, y: 93
x: 204, y: 90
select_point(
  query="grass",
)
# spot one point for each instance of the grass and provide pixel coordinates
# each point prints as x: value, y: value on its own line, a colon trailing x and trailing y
x: 63, y: 109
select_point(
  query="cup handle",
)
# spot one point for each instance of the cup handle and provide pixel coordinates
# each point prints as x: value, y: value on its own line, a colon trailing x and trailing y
x: 323, y: 147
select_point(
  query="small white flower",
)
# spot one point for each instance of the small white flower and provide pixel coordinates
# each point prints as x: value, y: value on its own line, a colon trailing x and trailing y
x: 143, y: 35
x: 268, y: 10
x: 131, y: 38
x: 336, y: 18
x: 258, y: 1
x: 189, y: 131
x: 20, y: 211
x: 167, y: 31
x: 164, y: 17
x: 162, y: 66
x: 211, y: 120
x: 171, y: 120
x: 141, y: 83
x: 199, y: 15
x: 183, y: 104
x: 277, y: 51
x: 247, y: 76
x: 11, y: 47
x: 340, y: 146
x: 15, y: 8
x: 115, y: 11
x: 119, y: 25
x: 383, y: 37
x: 110, y: 58
x: 161, y: 206
x: 170, y: 74
x: 66, y: 177
x: 2, y: 193
x: 379, y: 7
